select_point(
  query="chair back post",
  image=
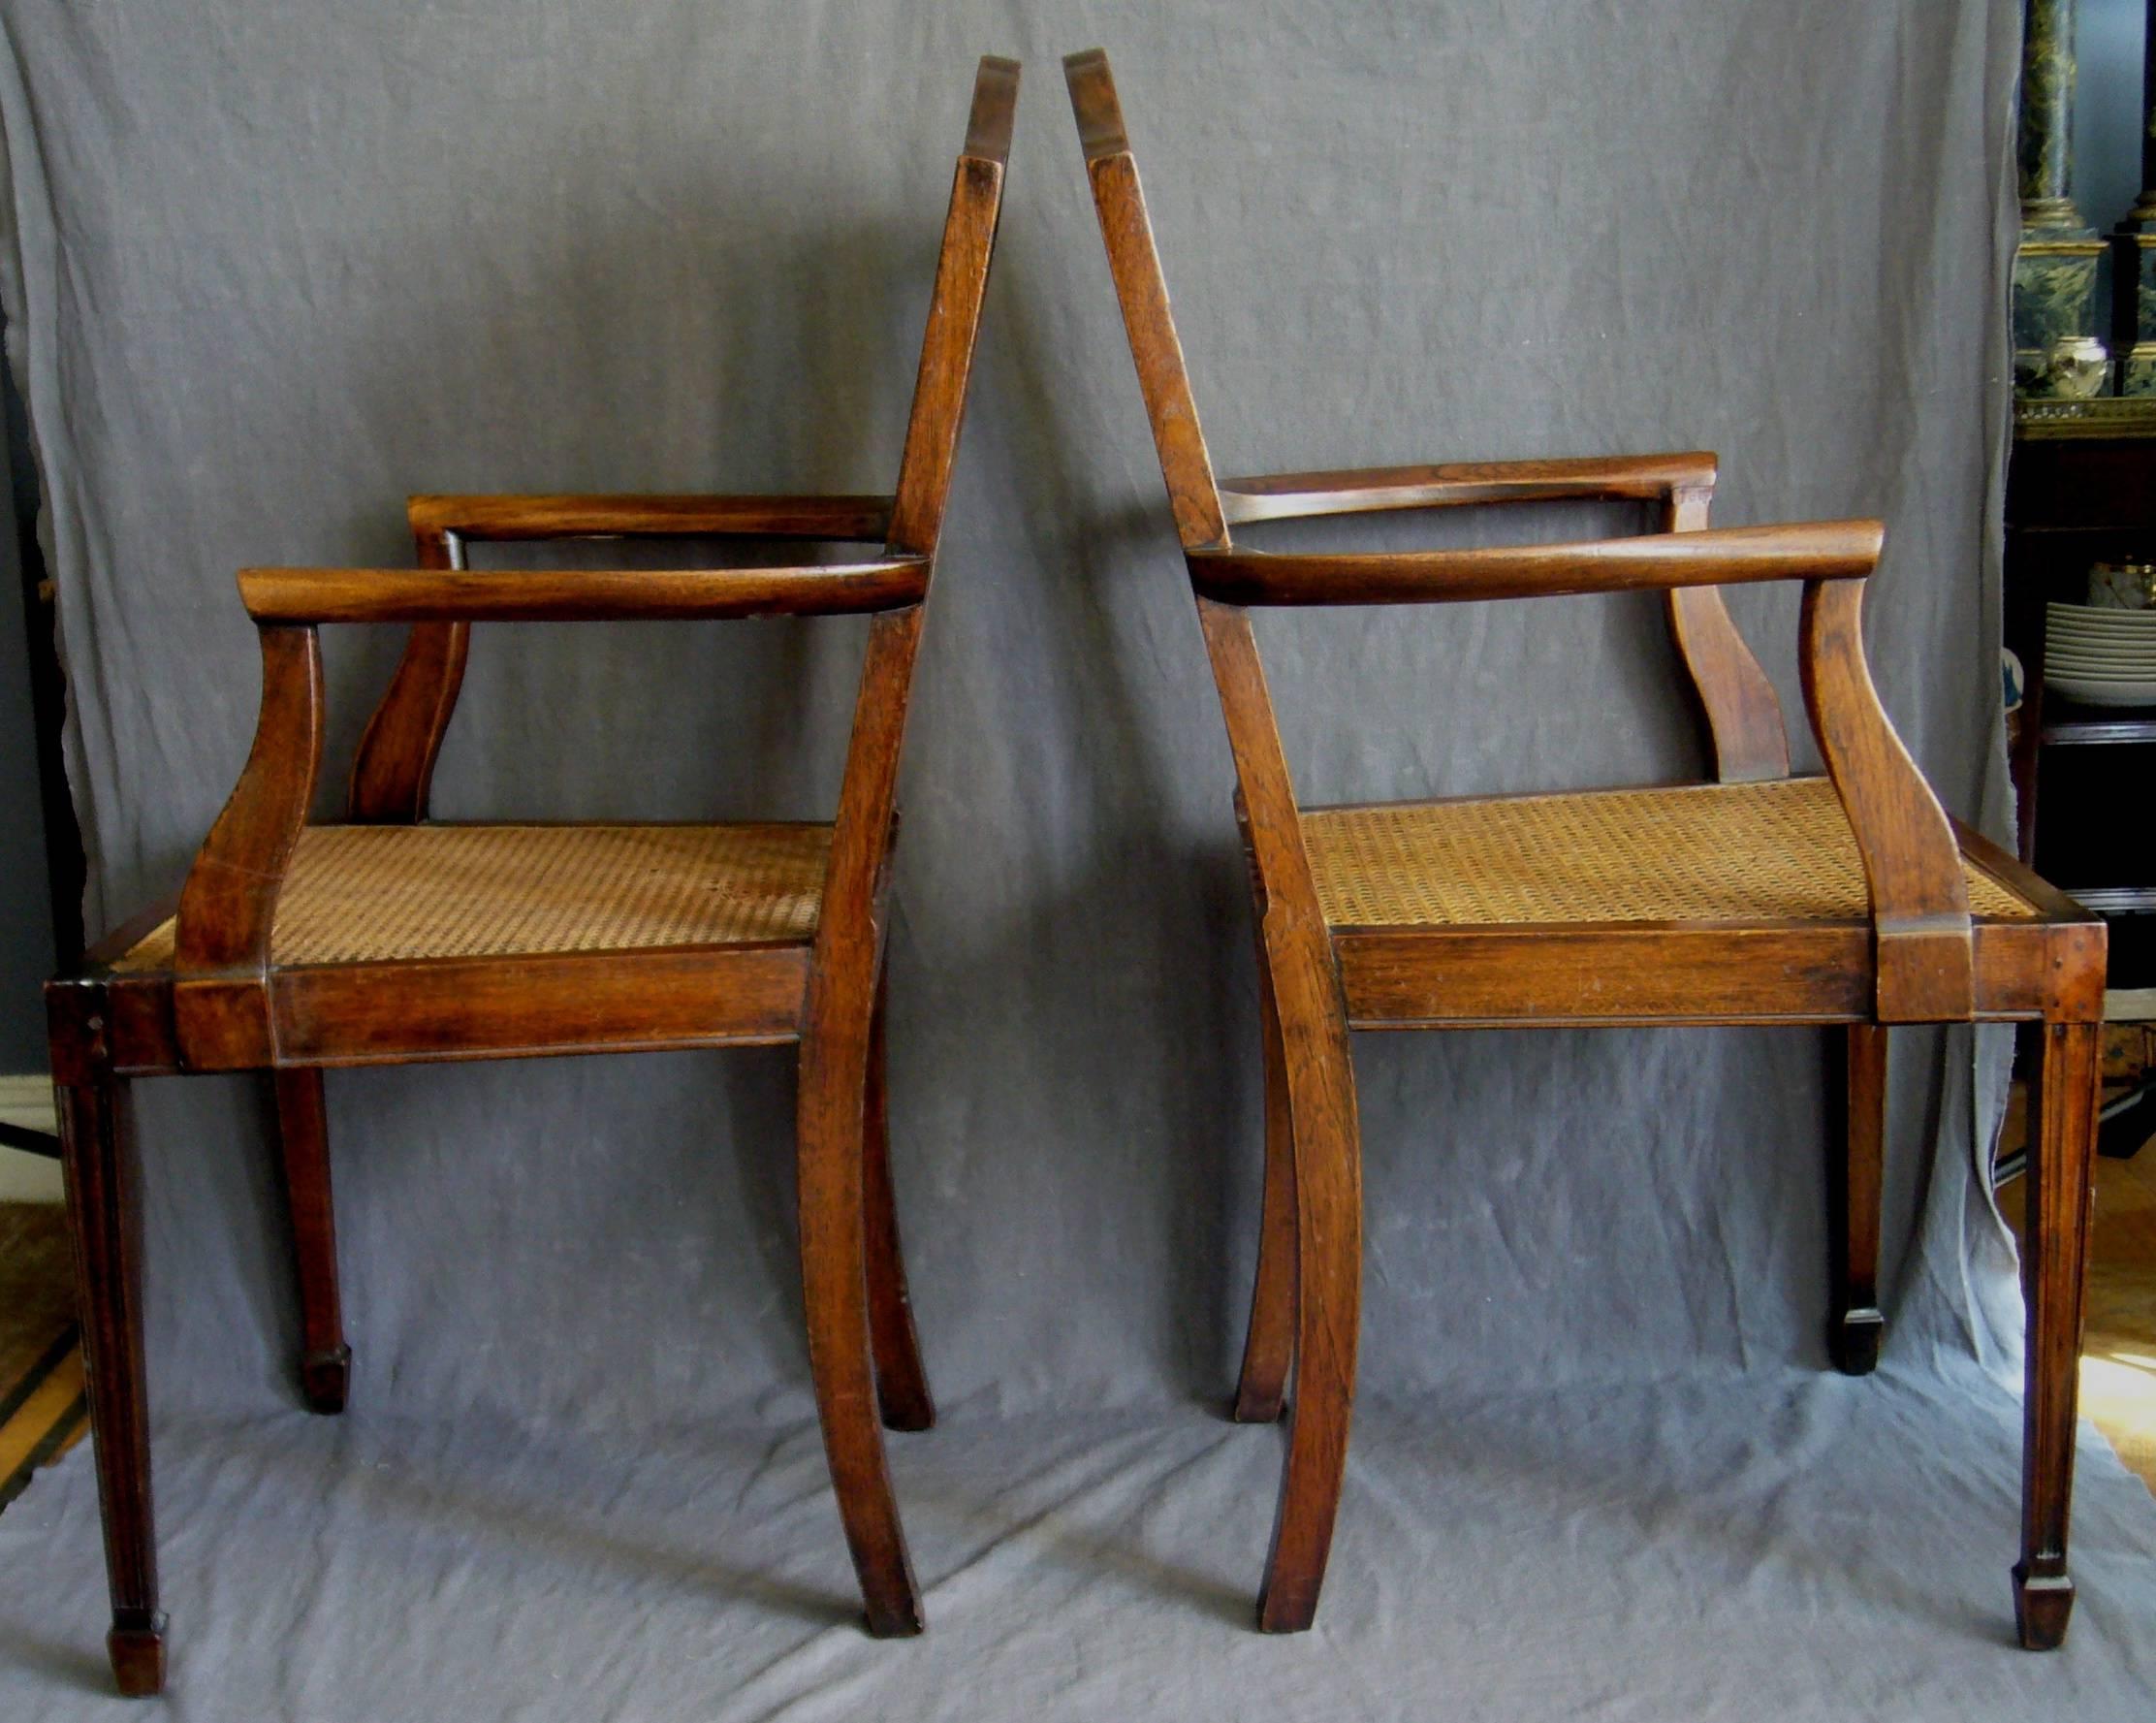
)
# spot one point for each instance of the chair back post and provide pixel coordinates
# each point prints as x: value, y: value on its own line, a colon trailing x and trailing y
x: 1292, y: 916
x: 954, y: 321
x: 847, y: 937
x: 1142, y: 290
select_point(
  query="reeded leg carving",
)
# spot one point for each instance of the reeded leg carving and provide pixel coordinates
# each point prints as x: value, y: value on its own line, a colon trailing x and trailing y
x: 1269, y: 1348
x: 1855, y: 1325
x: 105, y: 1216
x: 304, y: 1154
x: 2062, y: 1111
x: 1319, y: 1079
x: 902, y: 1383
x: 834, y: 1273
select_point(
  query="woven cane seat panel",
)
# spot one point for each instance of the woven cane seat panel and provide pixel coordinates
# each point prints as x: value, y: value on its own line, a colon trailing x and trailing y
x: 359, y: 894
x: 1778, y: 852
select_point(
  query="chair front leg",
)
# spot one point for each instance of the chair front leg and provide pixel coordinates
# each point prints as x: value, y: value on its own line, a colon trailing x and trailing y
x: 303, y: 1155
x: 104, y: 1199
x: 2063, y: 1111
x: 1319, y: 1078
x: 901, y: 1382
x: 1854, y: 1325
x: 834, y: 1275
x: 1269, y: 1347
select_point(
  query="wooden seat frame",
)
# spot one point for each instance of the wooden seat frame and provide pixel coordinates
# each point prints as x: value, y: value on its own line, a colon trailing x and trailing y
x: 223, y: 1002
x: 1918, y: 958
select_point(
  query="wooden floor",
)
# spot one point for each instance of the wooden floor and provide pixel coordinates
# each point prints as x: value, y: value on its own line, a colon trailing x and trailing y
x: 42, y: 1410
x: 2118, y: 1354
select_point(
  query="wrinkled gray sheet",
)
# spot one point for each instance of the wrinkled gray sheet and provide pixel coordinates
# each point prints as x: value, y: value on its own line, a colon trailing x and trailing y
x: 272, y: 267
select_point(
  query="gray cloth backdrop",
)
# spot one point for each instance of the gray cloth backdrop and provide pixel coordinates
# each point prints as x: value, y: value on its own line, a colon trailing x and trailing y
x: 273, y: 266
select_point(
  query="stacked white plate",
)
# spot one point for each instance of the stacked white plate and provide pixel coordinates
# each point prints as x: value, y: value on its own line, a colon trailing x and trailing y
x: 2102, y: 657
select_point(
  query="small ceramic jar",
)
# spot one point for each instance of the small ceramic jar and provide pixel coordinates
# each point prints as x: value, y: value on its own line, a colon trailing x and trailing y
x: 2080, y: 367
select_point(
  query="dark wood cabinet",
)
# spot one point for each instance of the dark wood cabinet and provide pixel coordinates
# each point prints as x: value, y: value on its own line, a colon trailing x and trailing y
x: 2081, y: 490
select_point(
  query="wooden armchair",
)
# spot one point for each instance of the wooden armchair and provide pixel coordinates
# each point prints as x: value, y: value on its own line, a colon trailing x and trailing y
x: 298, y: 946
x: 1849, y: 900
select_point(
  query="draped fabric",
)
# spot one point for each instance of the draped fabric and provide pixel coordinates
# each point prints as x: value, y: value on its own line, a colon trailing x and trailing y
x: 270, y: 268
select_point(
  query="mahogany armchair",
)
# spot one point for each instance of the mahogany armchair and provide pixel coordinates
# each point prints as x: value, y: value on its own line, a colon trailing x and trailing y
x: 298, y: 946
x: 1761, y: 898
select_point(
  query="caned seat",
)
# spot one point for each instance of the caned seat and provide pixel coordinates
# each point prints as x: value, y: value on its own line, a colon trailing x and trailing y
x: 1782, y: 851
x: 375, y: 894
x: 1851, y: 901
x: 297, y: 947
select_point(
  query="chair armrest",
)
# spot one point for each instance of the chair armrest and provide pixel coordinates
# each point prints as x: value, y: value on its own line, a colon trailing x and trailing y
x: 1920, y: 897
x: 844, y: 520
x: 1828, y: 549
x: 1293, y: 495
x: 310, y: 596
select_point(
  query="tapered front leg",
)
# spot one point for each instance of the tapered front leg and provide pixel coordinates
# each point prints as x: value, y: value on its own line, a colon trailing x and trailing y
x: 2062, y: 1139
x: 1320, y: 1087
x: 105, y: 1216
x: 834, y: 1274
x: 901, y: 1382
x: 1855, y: 1174
x: 1269, y: 1347
x: 303, y: 1152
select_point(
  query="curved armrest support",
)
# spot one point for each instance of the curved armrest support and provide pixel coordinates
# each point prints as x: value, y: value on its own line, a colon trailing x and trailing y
x: 229, y: 903
x: 393, y: 773
x: 1743, y: 713
x: 1293, y: 495
x: 577, y: 594
x: 842, y: 520
x: 1824, y: 550
x: 1911, y: 861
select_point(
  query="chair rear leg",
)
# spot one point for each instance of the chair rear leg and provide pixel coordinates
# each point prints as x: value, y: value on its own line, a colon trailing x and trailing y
x: 304, y: 1156
x: 834, y: 1275
x: 1269, y: 1346
x: 1854, y: 1170
x: 902, y: 1383
x: 2062, y: 1111
x: 1320, y: 1083
x: 105, y: 1216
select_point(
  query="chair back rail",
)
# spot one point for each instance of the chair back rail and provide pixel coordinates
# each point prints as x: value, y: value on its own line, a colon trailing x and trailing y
x: 1457, y: 484
x: 840, y: 520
